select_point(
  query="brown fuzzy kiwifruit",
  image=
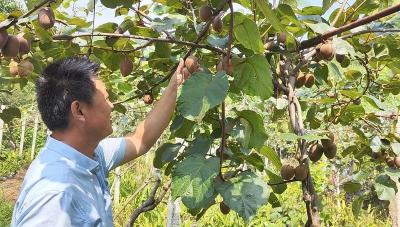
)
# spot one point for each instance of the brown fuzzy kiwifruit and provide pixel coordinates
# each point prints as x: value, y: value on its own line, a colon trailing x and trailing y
x: 25, y: 67
x: 224, y: 208
x: 269, y: 45
x: 192, y: 64
x: 148, y: 98
x: 185, y: 73
x: 24, y: 44
x: 281, y: 37
x: 301, y: 172
x: 205, y: 13
x: 315, y: 152
x: 11, y: 48
x: 397, y: 161
x: 330, y: 151
x: 3, y: 38
x: 225, y: 65
x: 46, y: 17
x: 390, y: 161
x: 300, y: 80
x: 217, y: 24
x: 287, y: 172
x: 310, y: 80
x: 13, y: 68
x: 126, y: 66
x: 329, y: 141
x: 326, y: 51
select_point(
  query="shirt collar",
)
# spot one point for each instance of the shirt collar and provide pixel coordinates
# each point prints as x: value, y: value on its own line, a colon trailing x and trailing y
x: 71, y: 153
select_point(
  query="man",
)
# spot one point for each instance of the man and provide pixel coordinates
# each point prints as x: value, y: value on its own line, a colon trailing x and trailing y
x: 66, y: 185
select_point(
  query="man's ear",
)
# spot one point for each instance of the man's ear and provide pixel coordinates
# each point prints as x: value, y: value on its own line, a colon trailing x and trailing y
x: 77, y: 110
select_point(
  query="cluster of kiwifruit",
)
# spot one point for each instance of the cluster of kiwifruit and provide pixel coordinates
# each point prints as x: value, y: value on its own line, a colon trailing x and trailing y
x: 206, y: 13
x: 393, y: 162
x: 224, y: 208
x: 328, y: 148
x: 23, y: 68
x: 280, y: 39
x: 11, y: 45
x: 299, y: 173
x: 308, y: 80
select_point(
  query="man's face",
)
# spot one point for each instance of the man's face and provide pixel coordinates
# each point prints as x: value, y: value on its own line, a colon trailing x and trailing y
x: 99, y: 120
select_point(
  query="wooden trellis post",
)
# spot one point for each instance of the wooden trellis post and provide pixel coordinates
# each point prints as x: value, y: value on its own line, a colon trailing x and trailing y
x: 34, y: 136
x: 117, y: 185
x: 21, y: 143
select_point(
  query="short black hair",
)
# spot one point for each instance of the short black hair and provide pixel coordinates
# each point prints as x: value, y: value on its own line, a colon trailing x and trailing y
x: 60, y: 84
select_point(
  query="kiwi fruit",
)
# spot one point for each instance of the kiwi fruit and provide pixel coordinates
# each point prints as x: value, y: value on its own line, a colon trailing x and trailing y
x: 13, y: 68
x: 281, y: 37
x: 326, y: 51
x: 11, y: 48
x: 217, y: 24
x: 300, y: 80
x: 301, y: 172
x: 205, y: 13
x: 397, y: 161
x: 269, y: 45
x: 330, y: 151
x: 287, y: 172
x: 25, y: 67
x: 224, y: 208
x: 390, y: 161
x: 226, y: 65
x: 327, y: 142
x: 192, y: 64
x: 126, y: 66
x: 46, y: 17
x: 24, y: 44
x: 148, y: 98
x: 310, y: 80
x: 315, y: 152
x: 3, y: 38
x: 185, y: 73
x: 340, y: 58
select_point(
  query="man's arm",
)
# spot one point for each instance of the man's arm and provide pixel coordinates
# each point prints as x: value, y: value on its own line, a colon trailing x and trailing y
x: 151, y: 128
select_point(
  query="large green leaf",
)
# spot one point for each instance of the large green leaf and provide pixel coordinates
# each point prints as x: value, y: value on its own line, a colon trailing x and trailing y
x: 254, y: 76
x: 181, y: 127
x: 269, y: 14
x: 244, y: 194
x: 272, y: 156
x: 166, y: 153
x: 8, y: 114
x: 201, y: 92
x: 385, y: 187
x: 246, y: 33
x: 192, y: 180
x: 254, y: 131
x: 278, y: 188
x: 200, y: 146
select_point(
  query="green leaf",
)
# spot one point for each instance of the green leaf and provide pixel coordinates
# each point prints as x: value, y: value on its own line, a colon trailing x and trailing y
x: 200, y: 146
x: 246, y: 33
x: 254, y: 77
x: 269, y: 14
x: 166, y: 153
x: 342, y: 47
x: 351, y: 113
x: 244, y: 194
x: 255, y: 131
x: 356, y: 205
x: 192, y: 180
x: 272, y: 156
x: 385, y: 187
x: 273, y: 200
x: 181, y: 127
x: 8, y: 114
x: 109, y: 58
x: 200, y: 93
x: 376, y: 103
x: 276, y: 179
x: 351, y: 187
x: 320, y: 27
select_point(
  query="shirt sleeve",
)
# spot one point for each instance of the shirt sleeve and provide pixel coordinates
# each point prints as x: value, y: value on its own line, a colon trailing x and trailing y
x: 51, y: 209
x: 113, y: 151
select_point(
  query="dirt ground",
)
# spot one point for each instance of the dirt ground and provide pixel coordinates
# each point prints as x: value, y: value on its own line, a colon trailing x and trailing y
x: 10, y: 187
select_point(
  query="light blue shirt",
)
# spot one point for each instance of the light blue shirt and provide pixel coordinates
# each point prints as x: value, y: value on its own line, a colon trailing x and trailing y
x: 63, y: 187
